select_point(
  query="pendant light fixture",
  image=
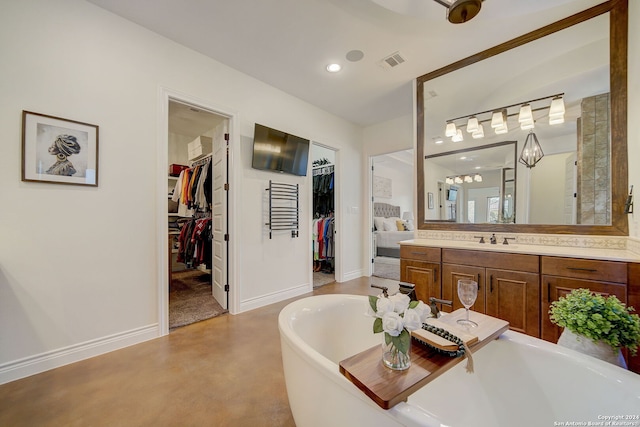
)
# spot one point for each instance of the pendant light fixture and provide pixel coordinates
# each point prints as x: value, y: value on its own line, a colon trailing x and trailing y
x: 531, y: 152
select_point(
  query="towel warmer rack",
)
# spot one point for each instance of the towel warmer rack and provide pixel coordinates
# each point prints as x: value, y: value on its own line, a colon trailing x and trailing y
x: 284, y: 208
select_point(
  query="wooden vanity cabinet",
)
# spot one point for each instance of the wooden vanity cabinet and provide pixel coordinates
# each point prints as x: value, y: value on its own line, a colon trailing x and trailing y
x: 508, y: 285
x: 562, y: 275
x: 421, y: 266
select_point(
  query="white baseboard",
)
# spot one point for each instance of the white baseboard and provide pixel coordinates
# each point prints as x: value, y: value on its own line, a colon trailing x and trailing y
x: 25, y: 367
x: 274, y: 297
x: 353, y: 275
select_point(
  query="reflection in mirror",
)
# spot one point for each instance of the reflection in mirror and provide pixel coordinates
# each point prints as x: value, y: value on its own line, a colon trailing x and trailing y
x: 475, y: 185
x: 577, y: 67
x: 577, y: 180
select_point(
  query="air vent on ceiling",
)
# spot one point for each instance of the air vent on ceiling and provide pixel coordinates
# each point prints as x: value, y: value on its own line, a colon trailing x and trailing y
x: 392, y: 60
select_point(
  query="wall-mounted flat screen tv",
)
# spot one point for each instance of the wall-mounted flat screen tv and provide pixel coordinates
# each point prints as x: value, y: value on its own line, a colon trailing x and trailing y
x: 279, y: 151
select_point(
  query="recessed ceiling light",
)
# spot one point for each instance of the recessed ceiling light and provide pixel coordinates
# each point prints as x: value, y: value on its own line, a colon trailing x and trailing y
x: 334, y: 68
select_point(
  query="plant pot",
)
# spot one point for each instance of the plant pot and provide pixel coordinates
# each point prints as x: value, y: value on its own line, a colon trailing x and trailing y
x: 599, y: 350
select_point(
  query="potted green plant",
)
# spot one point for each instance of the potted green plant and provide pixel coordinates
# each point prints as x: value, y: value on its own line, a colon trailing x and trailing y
x: 596, y: 325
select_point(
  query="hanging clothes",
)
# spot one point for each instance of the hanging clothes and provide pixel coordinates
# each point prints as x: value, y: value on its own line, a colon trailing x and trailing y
x: 323, y: 201
x: 193, y: 190
x: 194, y: 243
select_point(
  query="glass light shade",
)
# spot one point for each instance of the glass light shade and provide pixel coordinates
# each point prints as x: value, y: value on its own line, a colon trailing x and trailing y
x: 458, y: 180
x: 499, y: 118
x: 449, y: 180
x: 458, y: 136
x: 526, y: 115
x: 557, y: 107
x: 467, y: 178
x: 527, y: 125
x: 479, y: 133
x: 556, y: 120
x: 472, y: 125
x: 477, y: 178
x: 451, y: 130
x: 502, y: 129
x: 531, y: 152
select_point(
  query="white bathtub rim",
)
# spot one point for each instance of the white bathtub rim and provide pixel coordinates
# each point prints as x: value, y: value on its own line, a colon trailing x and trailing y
x: 319, y: 363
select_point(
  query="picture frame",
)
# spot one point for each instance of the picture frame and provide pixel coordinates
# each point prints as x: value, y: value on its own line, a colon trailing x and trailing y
x: 430, y: 200
x: 59, y: 151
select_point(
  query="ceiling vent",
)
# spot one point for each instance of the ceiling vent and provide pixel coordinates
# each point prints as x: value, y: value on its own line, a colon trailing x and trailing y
x: 392, y: 60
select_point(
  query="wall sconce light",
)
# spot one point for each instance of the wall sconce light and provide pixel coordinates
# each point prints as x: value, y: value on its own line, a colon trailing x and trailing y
x: 525, y: 114
x: 467, y: 178
x: 499, y: 117
x: 458, y: 136
x: 449, y: 180
x: 479, y: 133
x: 477, y: 178
x: 457, y: 180
x: 450, y: 130
x: 531, y: 152
x: 556, y: 111
x: 472, y: 124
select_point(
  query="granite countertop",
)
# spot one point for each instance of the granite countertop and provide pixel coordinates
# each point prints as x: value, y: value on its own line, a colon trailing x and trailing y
x: 562, y: 251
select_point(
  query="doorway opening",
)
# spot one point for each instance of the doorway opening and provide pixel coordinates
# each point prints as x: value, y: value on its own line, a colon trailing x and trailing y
x: 323, y: 223
x: 392, y: 190
x: 197, y: 161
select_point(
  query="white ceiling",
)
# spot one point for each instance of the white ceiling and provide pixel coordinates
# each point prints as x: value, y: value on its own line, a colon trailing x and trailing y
x: 288, y: 43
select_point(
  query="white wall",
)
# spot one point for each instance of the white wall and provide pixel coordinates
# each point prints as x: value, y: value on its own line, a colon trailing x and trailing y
x: 78, y: 266
x: 547, y: 189
x: 402, y: 186
x: 382, y: 138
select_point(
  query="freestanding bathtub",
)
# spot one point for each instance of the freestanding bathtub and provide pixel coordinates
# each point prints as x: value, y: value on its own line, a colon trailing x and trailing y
x: 518, y: 380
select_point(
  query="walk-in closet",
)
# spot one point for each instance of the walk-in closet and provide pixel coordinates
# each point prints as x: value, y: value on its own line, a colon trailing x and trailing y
x: 323, y: 223
x: 193, y: 136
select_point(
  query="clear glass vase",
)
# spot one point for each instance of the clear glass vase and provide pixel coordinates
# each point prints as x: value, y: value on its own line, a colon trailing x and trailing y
x: 392, y: 357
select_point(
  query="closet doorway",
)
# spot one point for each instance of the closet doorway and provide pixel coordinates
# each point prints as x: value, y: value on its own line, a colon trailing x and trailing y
x: 197, y: 159
x: 323, y: 223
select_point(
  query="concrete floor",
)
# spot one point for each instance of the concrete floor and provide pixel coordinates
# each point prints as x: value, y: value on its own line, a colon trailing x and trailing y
x: 225, y: 371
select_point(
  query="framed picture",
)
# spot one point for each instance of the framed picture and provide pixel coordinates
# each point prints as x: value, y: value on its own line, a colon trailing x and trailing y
x: 59, y: 151
x: 430, y: 200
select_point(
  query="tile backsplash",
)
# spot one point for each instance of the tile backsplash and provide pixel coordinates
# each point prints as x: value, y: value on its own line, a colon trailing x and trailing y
x: 572, y: 241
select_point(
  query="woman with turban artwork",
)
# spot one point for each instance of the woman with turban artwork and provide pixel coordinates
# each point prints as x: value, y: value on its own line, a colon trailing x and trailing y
x: 63, y: 147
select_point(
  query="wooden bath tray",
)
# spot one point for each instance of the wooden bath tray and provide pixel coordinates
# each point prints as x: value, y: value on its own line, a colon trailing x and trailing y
x: 387, y: 387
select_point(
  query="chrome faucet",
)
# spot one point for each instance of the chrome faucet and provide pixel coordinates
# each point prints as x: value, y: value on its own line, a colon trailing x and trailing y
x: 408, y: 289
x: 479, y: 237
x: 506, y: 240
x: 493, y: 239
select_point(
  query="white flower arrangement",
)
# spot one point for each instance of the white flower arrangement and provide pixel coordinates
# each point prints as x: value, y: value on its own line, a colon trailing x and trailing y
x: 397, y: 316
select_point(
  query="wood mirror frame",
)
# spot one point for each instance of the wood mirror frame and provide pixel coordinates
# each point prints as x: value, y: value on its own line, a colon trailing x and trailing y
x: 618, y: 24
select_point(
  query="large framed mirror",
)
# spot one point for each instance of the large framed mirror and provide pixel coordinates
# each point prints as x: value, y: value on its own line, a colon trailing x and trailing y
x: 579, y: 185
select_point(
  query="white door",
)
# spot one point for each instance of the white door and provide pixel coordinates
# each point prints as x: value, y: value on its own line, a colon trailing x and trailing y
x: 219, y: 170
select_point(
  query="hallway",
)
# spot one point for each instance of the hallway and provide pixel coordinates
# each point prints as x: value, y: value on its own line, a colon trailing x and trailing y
x: 225, y: 371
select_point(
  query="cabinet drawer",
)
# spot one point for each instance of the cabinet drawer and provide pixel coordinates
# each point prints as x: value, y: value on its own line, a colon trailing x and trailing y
x: 607, y: 271
x: 500, y: 260
x: 420, y: 253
